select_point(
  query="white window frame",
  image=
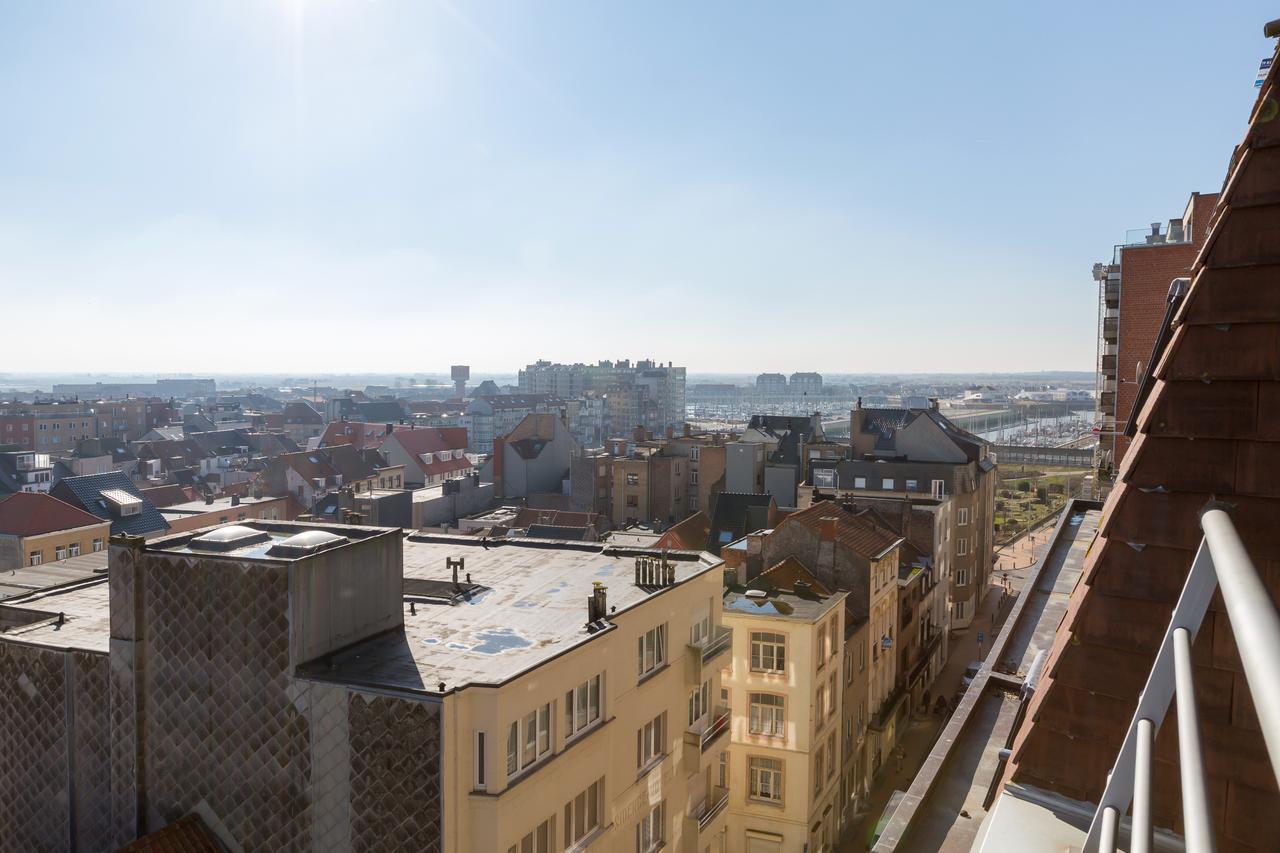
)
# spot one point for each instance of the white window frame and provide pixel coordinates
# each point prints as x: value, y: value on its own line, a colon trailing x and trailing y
x: 651, y: 830
x: 651, y: 742
x: 886, y: 483
x: 765, y: 778
x: 481, y: 781
x: 583, y: 707
x: 652, y: 650
x: 962, y: 547
x: 582, y: 814
x: 767, y: 718
x: 699, y: 703
x: 962, y: 516
x: 859, y: 482
x: 768, y: 646
x: 824, y: 478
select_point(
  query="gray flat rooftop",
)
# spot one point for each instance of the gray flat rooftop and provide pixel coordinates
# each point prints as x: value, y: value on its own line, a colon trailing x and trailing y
x: 532, y: 606
x: 29, y: 579
x: 216, y: 505
x: 86, y: 623
x: 780, y: 604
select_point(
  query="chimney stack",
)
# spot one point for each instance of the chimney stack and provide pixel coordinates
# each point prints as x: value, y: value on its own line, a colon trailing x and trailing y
x: 455, y: 565
x: 597, y: 602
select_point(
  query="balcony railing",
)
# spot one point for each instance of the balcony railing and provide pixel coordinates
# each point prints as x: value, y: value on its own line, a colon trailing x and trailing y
x: 1221, y: 562
x: 705, y: 732
x: 702, y: 654
x: 711, y: 806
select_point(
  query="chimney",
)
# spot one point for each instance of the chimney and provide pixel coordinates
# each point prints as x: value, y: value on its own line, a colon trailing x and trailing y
x: 906, y: 517
x: 499, y: 450
x: 1176, y: 231
x: 390, y: 429
x: 235, y: 500
x: 671, y: 432
x: 856, y: 419
x: 933, y: 404
x: 597, y: 602
x: 455, y: 566
x: 688, y: 429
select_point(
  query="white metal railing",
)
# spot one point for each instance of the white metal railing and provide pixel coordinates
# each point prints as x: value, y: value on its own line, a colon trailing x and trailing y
x: 1221, y: 562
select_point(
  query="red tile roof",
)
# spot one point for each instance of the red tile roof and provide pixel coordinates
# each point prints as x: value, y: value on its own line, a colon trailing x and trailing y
x: 1210, y: 429
x: 349, y: 432
x: 859, y: 533
x: 168, y: 495
x: 34, y: 514
x: 785, y: 573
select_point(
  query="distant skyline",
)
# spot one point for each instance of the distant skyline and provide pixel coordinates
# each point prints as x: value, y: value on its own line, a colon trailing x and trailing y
x: 359, y: 186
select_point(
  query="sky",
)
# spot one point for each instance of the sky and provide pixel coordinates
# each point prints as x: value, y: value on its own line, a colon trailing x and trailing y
x: 400, y: 185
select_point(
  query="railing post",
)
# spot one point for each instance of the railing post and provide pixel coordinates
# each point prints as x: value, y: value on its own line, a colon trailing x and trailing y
x: 1253, y: 621
x: 1140, y: 830
x: 1197, y: 832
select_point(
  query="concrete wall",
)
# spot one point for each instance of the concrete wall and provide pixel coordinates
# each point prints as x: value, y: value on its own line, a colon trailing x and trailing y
x: 780, y: 481
x: 744, y: 468
x: 15, y: 552
x: 447, y: 509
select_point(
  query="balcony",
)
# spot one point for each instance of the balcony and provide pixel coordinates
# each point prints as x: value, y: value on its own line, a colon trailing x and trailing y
x: 708, y: 730
x: 703, y: 816
x: 702, y: 655
x: 1109, y: 365
x: 1111, y: 293
x: 1110, y: 328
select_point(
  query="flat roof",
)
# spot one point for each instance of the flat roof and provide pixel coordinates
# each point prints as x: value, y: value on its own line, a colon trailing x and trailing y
x: 529, y: 606
x: 86, y: 622
x: 29, y: 579
x: 217, y: 504
x: 780, y: 604
x: 257, y: 547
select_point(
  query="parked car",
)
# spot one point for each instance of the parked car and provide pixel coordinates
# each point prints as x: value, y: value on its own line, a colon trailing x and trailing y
x: 971, y: 672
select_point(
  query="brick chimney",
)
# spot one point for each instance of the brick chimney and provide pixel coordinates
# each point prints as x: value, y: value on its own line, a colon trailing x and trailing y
x: 637, y: 434
x: 855, y: 421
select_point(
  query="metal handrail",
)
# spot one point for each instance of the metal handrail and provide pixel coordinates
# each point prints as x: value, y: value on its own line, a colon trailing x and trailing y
x: 1221, y: 561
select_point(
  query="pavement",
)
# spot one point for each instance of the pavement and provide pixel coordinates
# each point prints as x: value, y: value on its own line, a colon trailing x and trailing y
x: 920, y: 733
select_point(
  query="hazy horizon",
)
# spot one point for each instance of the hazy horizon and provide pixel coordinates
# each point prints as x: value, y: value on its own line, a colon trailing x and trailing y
x: 341, y: 186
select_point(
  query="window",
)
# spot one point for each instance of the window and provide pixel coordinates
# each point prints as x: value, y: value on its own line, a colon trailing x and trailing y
x: 700, y: 630
x: 886, y: 483
x: 633, y: 501
x: 962, y: 516
x: 912, y: 485
x: 832, y: 633
x: 822, y: 645
x: 97, y: 545
x: 765, y: 778
x: 831, y: 754
x: 768, y: 652
x: 693, y: 503
x: 529, y: 740
x: 820, y: 705
x: 768, y: 714
x: 649, y: 741
x: 699, y: 702
x: 633, y: 479
x: 824, y: 478
x: 724, y: 769
x: 859, y: 482
x: 693, y: 478
x: 938, y: 489
x: 862, y: 655
x: 832, y: 686
x: 962, y: 546
x: 960, y: 609
x: 582, y: 706
x: 480, y: 759
x: 74, y: 549
x: 694, y: 452
x: 60, y: 552
x: 652, y: 649
x: 819, y: 769
x: 538, y: 841
x: 649, y: 833
x: 35, y: 558
x: 582, y: 813
x: 962, y: 577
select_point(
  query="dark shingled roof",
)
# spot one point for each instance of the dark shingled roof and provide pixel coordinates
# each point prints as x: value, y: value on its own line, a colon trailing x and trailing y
x: 86, y: 492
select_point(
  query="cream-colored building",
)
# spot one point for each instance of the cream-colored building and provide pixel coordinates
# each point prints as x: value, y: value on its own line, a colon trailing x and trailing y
x: 785, y: 686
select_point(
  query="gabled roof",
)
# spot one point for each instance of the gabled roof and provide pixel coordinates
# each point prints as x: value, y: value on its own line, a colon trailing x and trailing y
x: 311, y: 465
x: 735, y: 515
x: 859, y: 533
x: 785, y: 573
x: 86, y: 492
x: 300, y: 413
x: 688, y: 535
x: 167, y: 495
x: 34, y: 514
x: 350, y: 463
x: 360, y: 435
x: 430, y: 439
x: 379, y: 411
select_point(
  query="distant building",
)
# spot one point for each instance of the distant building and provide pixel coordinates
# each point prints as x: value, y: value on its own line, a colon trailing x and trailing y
x: 302, y: 423
x: 646, y: 393
x: 24, y: 471
x: 1133, y: 293
x: 805, y: 383
x: 771, y: 384
x: 535, y: 457
x: 180, y: 388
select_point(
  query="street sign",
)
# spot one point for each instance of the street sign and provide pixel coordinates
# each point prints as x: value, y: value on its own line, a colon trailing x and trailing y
x: 1262, y: 73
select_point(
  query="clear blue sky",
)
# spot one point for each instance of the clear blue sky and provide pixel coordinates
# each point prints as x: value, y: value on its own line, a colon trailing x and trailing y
x: 395, y: 186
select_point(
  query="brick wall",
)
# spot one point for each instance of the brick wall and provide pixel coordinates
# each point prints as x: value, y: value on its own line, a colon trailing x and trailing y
x: 1146, y: 272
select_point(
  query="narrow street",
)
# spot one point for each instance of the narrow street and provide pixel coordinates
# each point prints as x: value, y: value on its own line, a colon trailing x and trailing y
x: 919, y: 733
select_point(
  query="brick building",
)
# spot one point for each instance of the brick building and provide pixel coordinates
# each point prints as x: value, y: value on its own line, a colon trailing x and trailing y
x: 1133, y: 295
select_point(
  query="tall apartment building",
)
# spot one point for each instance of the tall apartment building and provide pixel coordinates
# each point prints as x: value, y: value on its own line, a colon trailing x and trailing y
x: 805, y: 383
x: 357, y: 689
x: 649, y: 393
x: 1133, y: 296
x: 920, y: 453
x: 783, y: 770
x: 181, y: 388
x: 46, y: 427
x: 771, y: 385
